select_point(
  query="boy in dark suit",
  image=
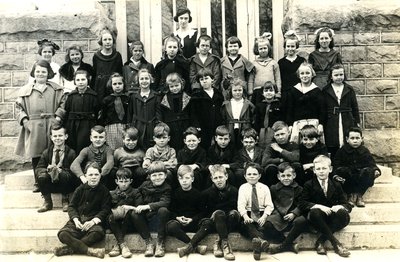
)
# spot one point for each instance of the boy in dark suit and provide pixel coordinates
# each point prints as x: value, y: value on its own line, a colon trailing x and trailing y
x: 90, y: 205
x: 355, y: 167
x: 53, y: 172
x: 325, y: 205
x: 250, y: 152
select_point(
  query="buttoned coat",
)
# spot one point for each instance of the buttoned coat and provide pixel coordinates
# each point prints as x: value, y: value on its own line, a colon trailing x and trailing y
x: 286, y: 200
x: 40, y: 109
x: 212, y: 63
x: 350, y: 118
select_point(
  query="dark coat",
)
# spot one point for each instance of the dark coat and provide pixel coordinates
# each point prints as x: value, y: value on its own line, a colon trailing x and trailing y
x: 130, y: 70
x: 218, y: 155
x: 212, y: 63
x: 206, y: 114
x: 274, y: 114
x: 290, y: 154
x: 174, y: 110
x: 155, y: 196
x: 88, y: 203
x: 67, y: 71
x: 307, y: 155
x: 144, y: 116
x: 198, y: 156
x: 187, y: 203
x: 313, y: 194
x: 166, y: 66
x: 81, y: 112
x: 130, y: 196
x: 304, y: 106
x: 243, y: 157
x: 285, y: 199
x: 215, y: 199
x: 108, y: 115
x: 354, y: 158
x: 103, y: 67
x: 348, y: 108
x: 322, y: 63
x: 245, y: 120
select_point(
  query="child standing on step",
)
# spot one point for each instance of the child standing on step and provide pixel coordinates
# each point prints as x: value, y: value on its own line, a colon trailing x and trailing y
x: 90, y: 205
x: 53, y: 170
x: 324, y: 204
x: 124, y: 199
x: 355, y: 167
x: 105, y: 62
x: 254, y: 205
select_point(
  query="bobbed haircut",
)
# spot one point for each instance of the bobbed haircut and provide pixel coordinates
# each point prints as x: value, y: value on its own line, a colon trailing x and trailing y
x: 131, y: 132
x: 309, y: 131
x: 336, y: 67
x: 155, y: 167
x: 82, y: 72
x: 203, y: 73
x: 353, y: 129
x: 106, y: 31
x: 270, y: 86
x: 191, y: 131
x: 182, y: 11
x: 260, y: 42
x: 254, y: 165
x: 305, y: 64
x: 184, y: 170
x: 68, y: 52
x: 115, y: 75
x: 123, y: 173
x: 43, y: 63
x: 233, y: 40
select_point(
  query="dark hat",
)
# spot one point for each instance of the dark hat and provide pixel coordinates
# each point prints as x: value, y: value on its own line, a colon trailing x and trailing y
x: 181, y: 11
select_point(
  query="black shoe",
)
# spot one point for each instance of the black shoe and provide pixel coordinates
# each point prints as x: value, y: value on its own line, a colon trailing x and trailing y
x: 256, y: 242
x: 342, y: 251
x: 320, y: 248
x: 36, y: 188
x: 63, y: 251
x: 184, y: 251
x: 47, y: 205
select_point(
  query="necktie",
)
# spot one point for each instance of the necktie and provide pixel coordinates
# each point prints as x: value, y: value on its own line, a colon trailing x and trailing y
x: 119, y: 108
x: 266, y: 117
x: 255, y: 210
x: 57, y: 157
x: 323, y: 182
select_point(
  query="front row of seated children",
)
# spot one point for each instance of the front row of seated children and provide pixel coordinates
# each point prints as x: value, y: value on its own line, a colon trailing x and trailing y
x: 265, y: 210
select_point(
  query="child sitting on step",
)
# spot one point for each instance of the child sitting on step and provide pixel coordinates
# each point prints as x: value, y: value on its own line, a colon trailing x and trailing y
x: 53, y: 173
x: 355, y: 167
x: 124, y: 199
x: 90, y: 205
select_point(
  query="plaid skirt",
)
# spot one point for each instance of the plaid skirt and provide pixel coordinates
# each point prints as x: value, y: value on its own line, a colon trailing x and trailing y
x: 115, y: 133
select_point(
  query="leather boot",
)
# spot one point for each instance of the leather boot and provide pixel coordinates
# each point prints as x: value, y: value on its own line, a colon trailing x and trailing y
x: 125, y: 252
x: 149, y: 248
x: 96, y: 252
x: 360, y: 201
x: 201, y: 249
x: 47, y: 205
x: 186, y: 250
x: 217, y: 248
x: 226, y: 248
x: 160, y: 248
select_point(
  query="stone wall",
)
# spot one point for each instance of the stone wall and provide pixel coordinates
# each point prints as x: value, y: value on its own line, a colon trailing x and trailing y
x: 19, y: 34
x: 367, y: 34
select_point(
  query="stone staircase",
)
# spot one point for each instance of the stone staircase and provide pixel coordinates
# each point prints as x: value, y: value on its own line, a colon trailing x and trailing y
x: 22, y: 229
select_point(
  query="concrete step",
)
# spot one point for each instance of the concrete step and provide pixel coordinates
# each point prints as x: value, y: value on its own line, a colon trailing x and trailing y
x: 16, y: 219
x: 353, y: 237
x: 379, y: 193
x: 24, y: 180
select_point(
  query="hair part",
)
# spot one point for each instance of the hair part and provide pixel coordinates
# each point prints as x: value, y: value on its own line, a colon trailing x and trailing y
x: 107, y: 31
x: 161, y: 129
x: 123, y: 173
x: 184, y: 170
x: 279, y: 125
x: 285, y: 166
x: 270, y: 86
x: 82, y: 72
x: 222, y: 131
x: 324, y: 30
x: 259, y: 42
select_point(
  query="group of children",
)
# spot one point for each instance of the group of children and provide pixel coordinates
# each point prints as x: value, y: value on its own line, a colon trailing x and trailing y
x: 201, y: 145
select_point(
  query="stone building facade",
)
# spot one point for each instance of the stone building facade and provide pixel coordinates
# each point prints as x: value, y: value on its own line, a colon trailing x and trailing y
x: 367, y: 35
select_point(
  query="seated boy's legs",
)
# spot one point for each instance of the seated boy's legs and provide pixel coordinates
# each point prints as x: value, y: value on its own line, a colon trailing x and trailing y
x: 119, y: 227
x: 272, y: 234
x: 225, y: 223
x: 140, y: 223
x: 270, y: 176
x: 177, y: 230
x: 66, y: 183
x: 327, y: 225
x: 79, y: 241
x: 366, y: 179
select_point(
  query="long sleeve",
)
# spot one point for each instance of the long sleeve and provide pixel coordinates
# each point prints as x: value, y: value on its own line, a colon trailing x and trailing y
x: 76, y: 165
x: 106, y: 168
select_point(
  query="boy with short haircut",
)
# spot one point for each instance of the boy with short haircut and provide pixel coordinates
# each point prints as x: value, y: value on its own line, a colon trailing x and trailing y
x: 286, y: 216
x: 130, y: 156
x: 254, y: 205
x: 310, y: 147
x: 152, y: 213
x: 281, y: 150
x: 324, y: 204
x: 98, y: 152
x: 161, y: 151
x: 53, y: 172
x: 222, y: 152
x: 89, y: 208
x: 355, y: 167
x: 204, y: 59
x: 186, y: 211
x: 219, y: 204
x: 124, y: 199
x: 250, y: 152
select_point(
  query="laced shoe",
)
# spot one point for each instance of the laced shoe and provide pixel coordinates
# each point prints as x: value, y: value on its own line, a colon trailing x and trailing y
x: 96, y: 252
x: 217, y: 249
x: 160, y: 248
x: 184, y: 251
x: 201, y: 249
x: 149, y: 248
x: 115, y: 251
x: 227, y: 251
x: 125, y: 252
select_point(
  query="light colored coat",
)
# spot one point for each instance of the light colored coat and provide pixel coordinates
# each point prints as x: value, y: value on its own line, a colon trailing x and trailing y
x: 40, y: 109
